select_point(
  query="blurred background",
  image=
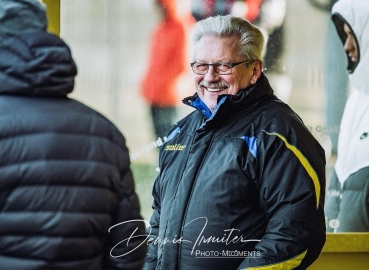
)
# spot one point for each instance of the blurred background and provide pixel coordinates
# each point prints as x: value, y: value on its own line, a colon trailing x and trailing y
x: 111, y: 41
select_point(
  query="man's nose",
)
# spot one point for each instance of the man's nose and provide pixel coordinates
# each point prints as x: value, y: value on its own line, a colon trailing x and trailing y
x: 211, y: 75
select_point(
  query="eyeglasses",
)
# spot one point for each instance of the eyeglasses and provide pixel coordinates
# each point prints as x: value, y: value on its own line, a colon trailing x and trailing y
x: 219, y: 68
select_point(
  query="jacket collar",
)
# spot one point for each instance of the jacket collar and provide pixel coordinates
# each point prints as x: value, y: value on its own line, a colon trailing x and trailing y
x: 230, y: 105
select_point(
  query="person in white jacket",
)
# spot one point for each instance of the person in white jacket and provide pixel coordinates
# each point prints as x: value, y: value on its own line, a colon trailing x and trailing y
x: 347, y: 201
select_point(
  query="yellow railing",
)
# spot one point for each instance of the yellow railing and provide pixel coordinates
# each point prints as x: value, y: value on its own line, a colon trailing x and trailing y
x: 344, y: 251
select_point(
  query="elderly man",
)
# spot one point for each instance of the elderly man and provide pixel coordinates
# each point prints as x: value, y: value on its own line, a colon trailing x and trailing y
x: 242, y: 180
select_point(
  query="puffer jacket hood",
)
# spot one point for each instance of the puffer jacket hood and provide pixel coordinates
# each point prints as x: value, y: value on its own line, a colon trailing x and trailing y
x: 21, y: 16
x: 36, y: 64
x: 355, y: 14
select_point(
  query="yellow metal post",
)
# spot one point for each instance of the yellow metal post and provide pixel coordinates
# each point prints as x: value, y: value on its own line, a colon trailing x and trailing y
x: 53, y: 15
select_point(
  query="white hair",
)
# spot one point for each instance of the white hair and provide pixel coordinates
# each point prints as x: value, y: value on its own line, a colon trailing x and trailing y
x: 251, y: 42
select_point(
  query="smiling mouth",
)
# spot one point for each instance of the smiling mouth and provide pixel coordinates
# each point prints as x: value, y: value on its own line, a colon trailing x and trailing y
x: 214, y: 87
x: 214, y: 90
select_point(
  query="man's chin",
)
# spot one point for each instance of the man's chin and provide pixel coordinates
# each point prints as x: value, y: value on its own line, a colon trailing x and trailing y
x: 210, y: 103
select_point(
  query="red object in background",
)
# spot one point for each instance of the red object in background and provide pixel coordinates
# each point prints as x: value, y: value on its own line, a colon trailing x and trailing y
x: 253, y: 9
x: 167, y: 59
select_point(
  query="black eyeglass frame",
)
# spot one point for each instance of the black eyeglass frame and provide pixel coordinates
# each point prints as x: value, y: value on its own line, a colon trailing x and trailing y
x: 232, y: 65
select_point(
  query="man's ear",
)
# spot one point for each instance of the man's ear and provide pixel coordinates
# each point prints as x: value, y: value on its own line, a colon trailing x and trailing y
x: 258, y: 68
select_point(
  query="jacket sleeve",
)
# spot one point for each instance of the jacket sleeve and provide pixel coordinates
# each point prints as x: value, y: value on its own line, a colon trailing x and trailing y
x: 153, y: 230
x: 332, y: 205
x: 126, y: 246
x: 292, y: 195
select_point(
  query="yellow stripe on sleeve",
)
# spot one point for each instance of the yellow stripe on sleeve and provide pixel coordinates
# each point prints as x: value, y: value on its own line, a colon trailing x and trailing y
x: 305, y: 163
x: 286, y: 265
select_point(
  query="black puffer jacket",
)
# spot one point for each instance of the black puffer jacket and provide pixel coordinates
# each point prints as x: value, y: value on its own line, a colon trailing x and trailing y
x: 240, y: 188
x: 64, y: 168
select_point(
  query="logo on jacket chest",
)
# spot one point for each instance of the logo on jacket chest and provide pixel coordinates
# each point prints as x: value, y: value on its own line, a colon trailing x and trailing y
x: 175, y: 147
x: 365, y: 135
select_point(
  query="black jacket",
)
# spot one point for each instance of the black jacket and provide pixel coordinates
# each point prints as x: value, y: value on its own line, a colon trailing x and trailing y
x: 240, y: 187
x: 64, y: 168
